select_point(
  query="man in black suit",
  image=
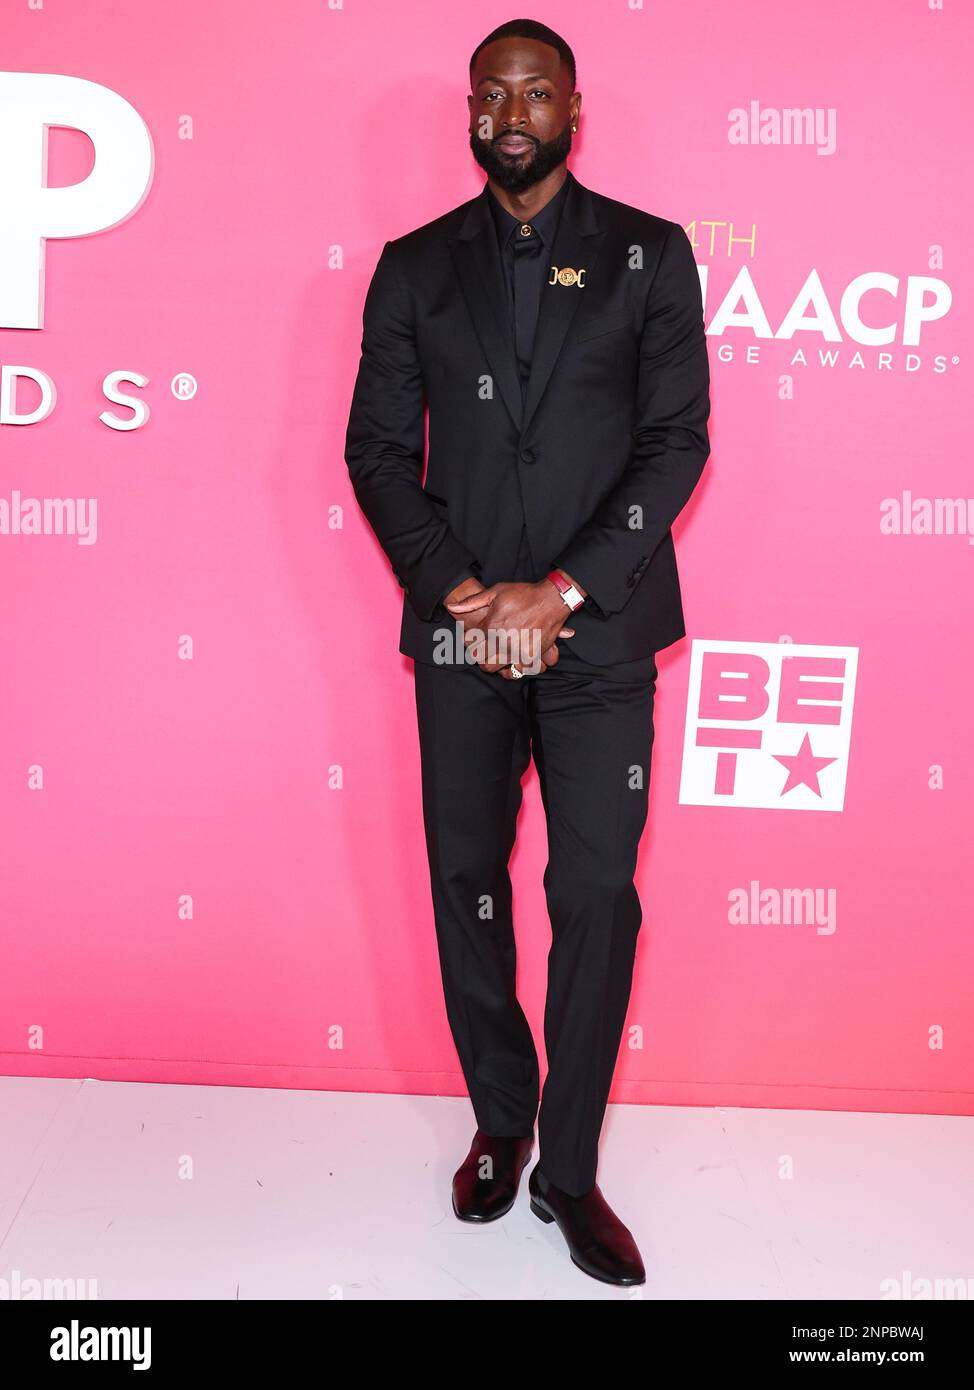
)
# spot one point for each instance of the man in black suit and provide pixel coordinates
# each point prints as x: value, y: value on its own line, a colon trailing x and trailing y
x: 556, y: 337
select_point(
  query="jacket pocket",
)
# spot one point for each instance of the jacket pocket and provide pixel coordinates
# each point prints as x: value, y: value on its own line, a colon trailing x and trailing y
x: 604, y: 323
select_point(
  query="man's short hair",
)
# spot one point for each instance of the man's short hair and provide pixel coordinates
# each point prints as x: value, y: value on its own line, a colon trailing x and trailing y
x: 530, y: 29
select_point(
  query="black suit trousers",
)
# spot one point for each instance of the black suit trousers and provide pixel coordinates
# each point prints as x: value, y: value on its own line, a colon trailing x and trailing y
x: 590, y: 732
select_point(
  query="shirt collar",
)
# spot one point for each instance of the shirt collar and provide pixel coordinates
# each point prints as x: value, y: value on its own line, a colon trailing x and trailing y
x: 544, y: 222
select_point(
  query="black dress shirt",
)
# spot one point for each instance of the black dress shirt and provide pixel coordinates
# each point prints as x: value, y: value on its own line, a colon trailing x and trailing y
x: 525, y: 251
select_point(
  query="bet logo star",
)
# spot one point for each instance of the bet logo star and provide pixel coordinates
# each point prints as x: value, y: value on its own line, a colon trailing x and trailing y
x: 803, y: 767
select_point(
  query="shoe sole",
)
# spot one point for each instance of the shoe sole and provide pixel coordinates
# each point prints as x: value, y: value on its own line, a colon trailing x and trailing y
x: 543, y: 1214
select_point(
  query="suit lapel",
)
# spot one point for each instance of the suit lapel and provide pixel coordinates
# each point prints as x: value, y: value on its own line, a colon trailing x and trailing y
x: 577, y: 244
x: 476, y: 258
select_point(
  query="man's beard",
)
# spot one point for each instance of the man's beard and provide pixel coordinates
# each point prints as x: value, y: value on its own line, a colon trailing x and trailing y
x: 515, y: 175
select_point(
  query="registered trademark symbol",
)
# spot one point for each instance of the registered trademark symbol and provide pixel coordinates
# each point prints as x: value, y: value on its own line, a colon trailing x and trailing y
x: 955, y: 360
x: 183, y: 386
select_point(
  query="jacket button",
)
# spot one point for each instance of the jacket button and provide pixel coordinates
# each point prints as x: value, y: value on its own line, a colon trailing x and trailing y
x: 528, y: 456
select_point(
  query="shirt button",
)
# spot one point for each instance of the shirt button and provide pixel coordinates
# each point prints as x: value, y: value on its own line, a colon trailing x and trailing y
x: 526, y: 229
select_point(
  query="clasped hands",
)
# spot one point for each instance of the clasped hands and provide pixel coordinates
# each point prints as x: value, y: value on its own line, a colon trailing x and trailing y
x: 510, y: 623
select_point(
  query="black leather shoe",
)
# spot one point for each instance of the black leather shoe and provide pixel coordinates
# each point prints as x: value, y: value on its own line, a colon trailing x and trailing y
x: 598, y: 1242
x: 484, y: 1191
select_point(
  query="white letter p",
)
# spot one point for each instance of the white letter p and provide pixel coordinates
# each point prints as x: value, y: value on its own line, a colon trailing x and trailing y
x: 31, y: 102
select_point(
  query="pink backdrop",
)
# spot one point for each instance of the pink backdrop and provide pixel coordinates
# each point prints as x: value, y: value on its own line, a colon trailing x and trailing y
x: 178, y: 695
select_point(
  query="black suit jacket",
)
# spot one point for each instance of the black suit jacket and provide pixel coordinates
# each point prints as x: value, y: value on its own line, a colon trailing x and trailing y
x: 597, y: 463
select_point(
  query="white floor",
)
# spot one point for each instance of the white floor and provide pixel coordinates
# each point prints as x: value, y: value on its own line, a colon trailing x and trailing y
x: 222, y: 1192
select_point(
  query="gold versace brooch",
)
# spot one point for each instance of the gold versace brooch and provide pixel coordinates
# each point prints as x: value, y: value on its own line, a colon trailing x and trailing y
x: 567, y: 276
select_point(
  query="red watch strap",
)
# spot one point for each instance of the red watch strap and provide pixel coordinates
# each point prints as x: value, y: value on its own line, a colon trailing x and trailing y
x: 564, y: 587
